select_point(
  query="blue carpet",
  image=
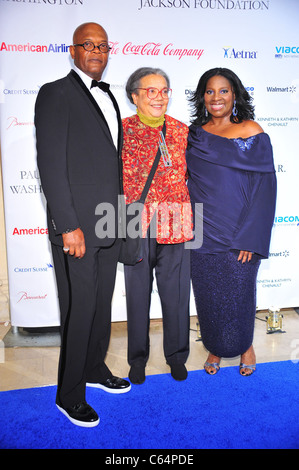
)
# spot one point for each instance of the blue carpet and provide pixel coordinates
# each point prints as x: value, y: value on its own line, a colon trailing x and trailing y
x: 225, y: 411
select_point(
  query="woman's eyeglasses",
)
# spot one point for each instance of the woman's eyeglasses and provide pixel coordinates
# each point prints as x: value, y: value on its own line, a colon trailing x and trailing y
x: 153, y: 93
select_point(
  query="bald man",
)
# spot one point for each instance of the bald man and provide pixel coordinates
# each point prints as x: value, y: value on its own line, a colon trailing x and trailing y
x: 79, y: 140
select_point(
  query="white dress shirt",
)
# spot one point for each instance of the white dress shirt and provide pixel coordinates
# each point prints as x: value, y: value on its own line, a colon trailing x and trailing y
x: 103, y: 100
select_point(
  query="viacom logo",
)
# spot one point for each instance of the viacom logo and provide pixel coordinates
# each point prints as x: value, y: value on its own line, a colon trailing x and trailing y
x: 286, y: 51
x: 286, y: 220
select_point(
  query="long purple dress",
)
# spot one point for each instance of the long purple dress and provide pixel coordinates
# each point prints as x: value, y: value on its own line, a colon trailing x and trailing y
x: 236, y: 182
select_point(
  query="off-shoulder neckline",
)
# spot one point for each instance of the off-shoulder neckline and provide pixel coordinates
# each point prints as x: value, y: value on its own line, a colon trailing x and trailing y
x: 233, y: 138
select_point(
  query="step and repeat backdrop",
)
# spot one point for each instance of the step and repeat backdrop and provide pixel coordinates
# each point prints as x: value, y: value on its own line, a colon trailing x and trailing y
x: 257, y: 39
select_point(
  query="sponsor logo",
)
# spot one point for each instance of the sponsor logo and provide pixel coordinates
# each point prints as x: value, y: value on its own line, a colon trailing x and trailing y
x: 146, y: 49
x: 286, y: 220
x: 14, y: 122
x: 250, y: 90
x: 30, y: 231
x: 232, y: 53
x: 286, y: 52
x: 34, y: 269
x: 56, y: 48
x: 155, y: 49
x: 287, y: 89
x: 25, y: 91
x: 25, y: 296
x: 280, y: 254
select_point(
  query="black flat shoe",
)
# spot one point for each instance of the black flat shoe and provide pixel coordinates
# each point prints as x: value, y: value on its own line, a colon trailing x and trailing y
x: 112, y: 385
x: 178, y: 371
x: 137, y: 374
x: 81, y: 415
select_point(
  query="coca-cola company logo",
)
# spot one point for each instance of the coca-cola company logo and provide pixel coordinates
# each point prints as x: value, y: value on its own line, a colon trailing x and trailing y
x: 155, y: 49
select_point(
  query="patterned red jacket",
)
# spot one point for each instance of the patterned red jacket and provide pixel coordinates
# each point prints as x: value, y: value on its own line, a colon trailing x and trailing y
x: 168, y: 194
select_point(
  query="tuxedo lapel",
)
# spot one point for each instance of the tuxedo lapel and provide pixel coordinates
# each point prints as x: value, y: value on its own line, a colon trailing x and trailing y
x: 78, y: 82
x: 120, y: 127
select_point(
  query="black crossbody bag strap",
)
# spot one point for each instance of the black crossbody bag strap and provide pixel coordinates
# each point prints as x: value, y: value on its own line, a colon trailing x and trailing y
x: 153, y: 170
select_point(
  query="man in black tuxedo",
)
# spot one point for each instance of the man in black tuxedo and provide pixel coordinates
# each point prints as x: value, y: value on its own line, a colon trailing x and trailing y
x: 79, y: 140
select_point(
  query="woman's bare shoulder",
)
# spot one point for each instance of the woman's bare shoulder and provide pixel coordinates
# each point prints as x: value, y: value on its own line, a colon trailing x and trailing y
x: 251, y: 128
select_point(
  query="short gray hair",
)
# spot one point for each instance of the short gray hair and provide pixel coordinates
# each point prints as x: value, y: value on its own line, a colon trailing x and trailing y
x: 134, y: 80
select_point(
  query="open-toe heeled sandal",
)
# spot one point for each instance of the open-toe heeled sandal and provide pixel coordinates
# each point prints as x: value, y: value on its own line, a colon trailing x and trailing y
x: 251, y: 368
x: 215, y: 366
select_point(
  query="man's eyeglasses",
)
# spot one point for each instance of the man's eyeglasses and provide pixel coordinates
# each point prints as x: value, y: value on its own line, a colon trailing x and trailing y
x: 153, y: 93
x: 90, y: 46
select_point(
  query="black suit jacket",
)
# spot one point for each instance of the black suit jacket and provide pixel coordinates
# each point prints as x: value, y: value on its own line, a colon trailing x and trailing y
x: 78, y: 163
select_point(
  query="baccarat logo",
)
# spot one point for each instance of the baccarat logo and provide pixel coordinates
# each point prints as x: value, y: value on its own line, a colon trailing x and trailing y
x: 25, y: 296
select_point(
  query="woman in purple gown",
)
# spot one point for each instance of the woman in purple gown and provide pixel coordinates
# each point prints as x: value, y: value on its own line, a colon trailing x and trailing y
x: 231, y: 172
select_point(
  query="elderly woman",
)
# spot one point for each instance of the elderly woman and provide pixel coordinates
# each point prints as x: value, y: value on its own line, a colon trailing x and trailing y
x: 166, y: 224
x: 231, y: 172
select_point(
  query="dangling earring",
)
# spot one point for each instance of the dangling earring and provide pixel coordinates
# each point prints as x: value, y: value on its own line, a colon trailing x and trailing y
x: 206, y: 112
x: 235, y: 111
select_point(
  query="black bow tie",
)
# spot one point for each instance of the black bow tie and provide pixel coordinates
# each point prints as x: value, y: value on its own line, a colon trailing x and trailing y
x: 102, y: 85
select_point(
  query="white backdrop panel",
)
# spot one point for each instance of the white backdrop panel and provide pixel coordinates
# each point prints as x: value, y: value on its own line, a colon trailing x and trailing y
x: 257, y: 39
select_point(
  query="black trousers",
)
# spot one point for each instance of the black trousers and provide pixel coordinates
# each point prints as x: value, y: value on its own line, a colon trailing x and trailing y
x: 85, y: 288
x: 171, y: 264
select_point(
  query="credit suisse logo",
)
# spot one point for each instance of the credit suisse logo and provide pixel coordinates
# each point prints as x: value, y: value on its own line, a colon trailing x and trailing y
x: 33, y: 269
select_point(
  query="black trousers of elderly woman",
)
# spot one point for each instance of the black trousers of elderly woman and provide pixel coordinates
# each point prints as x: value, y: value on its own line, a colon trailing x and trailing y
x: 171, y: 265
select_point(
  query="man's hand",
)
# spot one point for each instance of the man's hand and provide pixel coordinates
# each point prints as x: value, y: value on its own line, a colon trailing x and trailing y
x: 74, y: 243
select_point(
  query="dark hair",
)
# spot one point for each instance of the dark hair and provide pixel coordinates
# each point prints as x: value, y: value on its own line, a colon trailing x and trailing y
x: 243, y: 99
x: 134, y: 80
